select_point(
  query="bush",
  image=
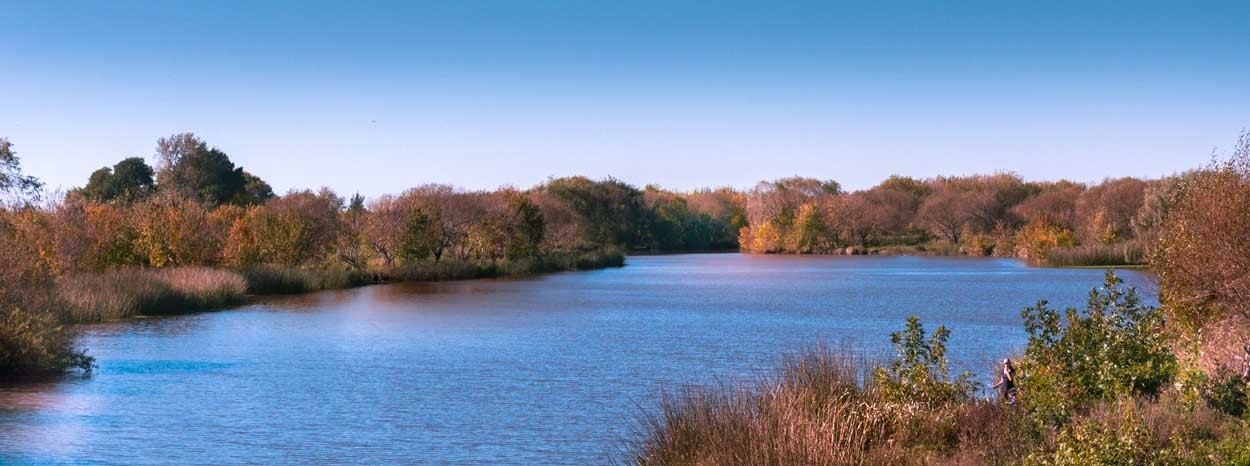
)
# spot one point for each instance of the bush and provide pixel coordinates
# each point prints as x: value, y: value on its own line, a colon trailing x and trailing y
x: 918, y: 373
x: 1141, y: 431
x: 1115, y: 346
x: 34, y: 342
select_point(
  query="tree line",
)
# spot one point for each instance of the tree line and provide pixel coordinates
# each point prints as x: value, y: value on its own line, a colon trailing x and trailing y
x: 195, y: 207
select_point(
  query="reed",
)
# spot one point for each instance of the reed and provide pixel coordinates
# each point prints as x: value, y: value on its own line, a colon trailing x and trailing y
x: 1096, y: 255
x: 819, y: 408
x: 93, y: 297
x: 285, y: 280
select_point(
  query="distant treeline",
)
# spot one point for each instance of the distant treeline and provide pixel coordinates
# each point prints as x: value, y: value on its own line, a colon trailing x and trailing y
x: 197, y: 208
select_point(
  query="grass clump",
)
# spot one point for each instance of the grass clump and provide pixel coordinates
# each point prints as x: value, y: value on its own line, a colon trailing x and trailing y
x: 286, y: 280
x: 1093, y: 255
x: 94, y: 297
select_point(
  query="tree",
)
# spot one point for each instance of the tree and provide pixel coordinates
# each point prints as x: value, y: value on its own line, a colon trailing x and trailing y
x: 611, y: 211
x: 12, y: 183
x: 349, y: 243
x: 449, y: 214
x: 1203, y: 254
x: 1106, y: 211
x: 293, y: 230
x: 527, y: 229
x: 387, y: 220
x: 171, y: 231
x: 129, y: 180
x: 192, y: 169
x: 945, y: 213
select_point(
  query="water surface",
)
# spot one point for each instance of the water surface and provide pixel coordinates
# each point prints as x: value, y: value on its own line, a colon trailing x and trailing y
x: 550, y: 370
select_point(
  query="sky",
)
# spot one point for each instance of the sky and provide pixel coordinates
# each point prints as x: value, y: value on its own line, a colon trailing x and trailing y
x: 377, y: 97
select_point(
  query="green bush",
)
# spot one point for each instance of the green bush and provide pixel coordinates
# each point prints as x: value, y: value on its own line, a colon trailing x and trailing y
x: 918, y: 372
x: 1115, y: 346
x: 34, y: 342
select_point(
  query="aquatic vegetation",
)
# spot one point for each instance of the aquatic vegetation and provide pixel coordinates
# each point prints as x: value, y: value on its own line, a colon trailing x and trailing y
x: 91, y: 297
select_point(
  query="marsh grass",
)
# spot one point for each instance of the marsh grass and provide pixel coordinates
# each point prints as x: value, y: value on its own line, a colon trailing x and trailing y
x: 95, y: 297
x: 821, y: 407
x: 450, y: 269
x: 285, y: 280
x: 1092, y: 255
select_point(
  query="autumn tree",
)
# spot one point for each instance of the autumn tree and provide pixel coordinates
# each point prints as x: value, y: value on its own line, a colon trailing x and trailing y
x: 1105, y: 212
x: 945, y: 213
x: 171, y: 230
x: 611, y: 211
x: 349, y: 244
x: 298, y: 228
x: 1203, y: 254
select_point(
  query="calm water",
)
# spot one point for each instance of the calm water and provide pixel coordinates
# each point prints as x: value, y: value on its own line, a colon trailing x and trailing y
x: 549, y: 370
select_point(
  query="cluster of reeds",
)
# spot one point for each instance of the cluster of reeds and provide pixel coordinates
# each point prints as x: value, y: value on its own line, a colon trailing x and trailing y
x: 93, y: 297
x: 286, y: 280
x: 1094, y: 255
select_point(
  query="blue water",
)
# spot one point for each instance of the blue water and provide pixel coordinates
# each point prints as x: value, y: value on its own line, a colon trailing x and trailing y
x: 550, y: 370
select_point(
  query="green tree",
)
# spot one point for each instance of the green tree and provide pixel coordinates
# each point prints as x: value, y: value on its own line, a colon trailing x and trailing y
x: 129, y: 180
x: 12, y: 182
x: 192, y: 169
x: 529, y: 229
x: 416, y: 240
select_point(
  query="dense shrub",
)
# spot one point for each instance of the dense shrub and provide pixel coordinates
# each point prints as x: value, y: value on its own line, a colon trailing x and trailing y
x: 35, y: 342
x: 1115, y: 346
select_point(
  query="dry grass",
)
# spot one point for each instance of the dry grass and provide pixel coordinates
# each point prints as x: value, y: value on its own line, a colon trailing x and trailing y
x: 123, y: 293
x: 820, y: 408
x: 1091, y: 255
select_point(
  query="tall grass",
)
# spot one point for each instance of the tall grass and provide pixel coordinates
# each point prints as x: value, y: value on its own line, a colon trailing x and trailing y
x: 450, y: 269
x: 285, y: 280
x: 118, y: 294
x: 819, y: 408
x: 1093, y: 255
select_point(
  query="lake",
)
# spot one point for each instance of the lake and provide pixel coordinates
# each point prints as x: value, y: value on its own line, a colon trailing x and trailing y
x: 548, y: 370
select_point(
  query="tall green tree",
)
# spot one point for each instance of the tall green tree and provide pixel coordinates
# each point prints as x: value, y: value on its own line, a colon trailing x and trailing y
x: 191, y: 168
x: 129, y: 180
x: 12, y: 182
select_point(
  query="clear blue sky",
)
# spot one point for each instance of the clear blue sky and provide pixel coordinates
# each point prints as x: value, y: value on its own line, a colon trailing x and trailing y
x: 377, y: 97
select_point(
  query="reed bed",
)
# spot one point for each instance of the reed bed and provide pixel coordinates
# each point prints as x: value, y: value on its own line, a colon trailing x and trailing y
x: 1096, y: 255
x: 95, y: 297
x: 285, y: 280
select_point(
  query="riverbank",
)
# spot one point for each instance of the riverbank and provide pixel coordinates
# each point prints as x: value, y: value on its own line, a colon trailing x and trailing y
x: 120, y: 294
x: 1119, y: 256
x: 1131, y: 396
